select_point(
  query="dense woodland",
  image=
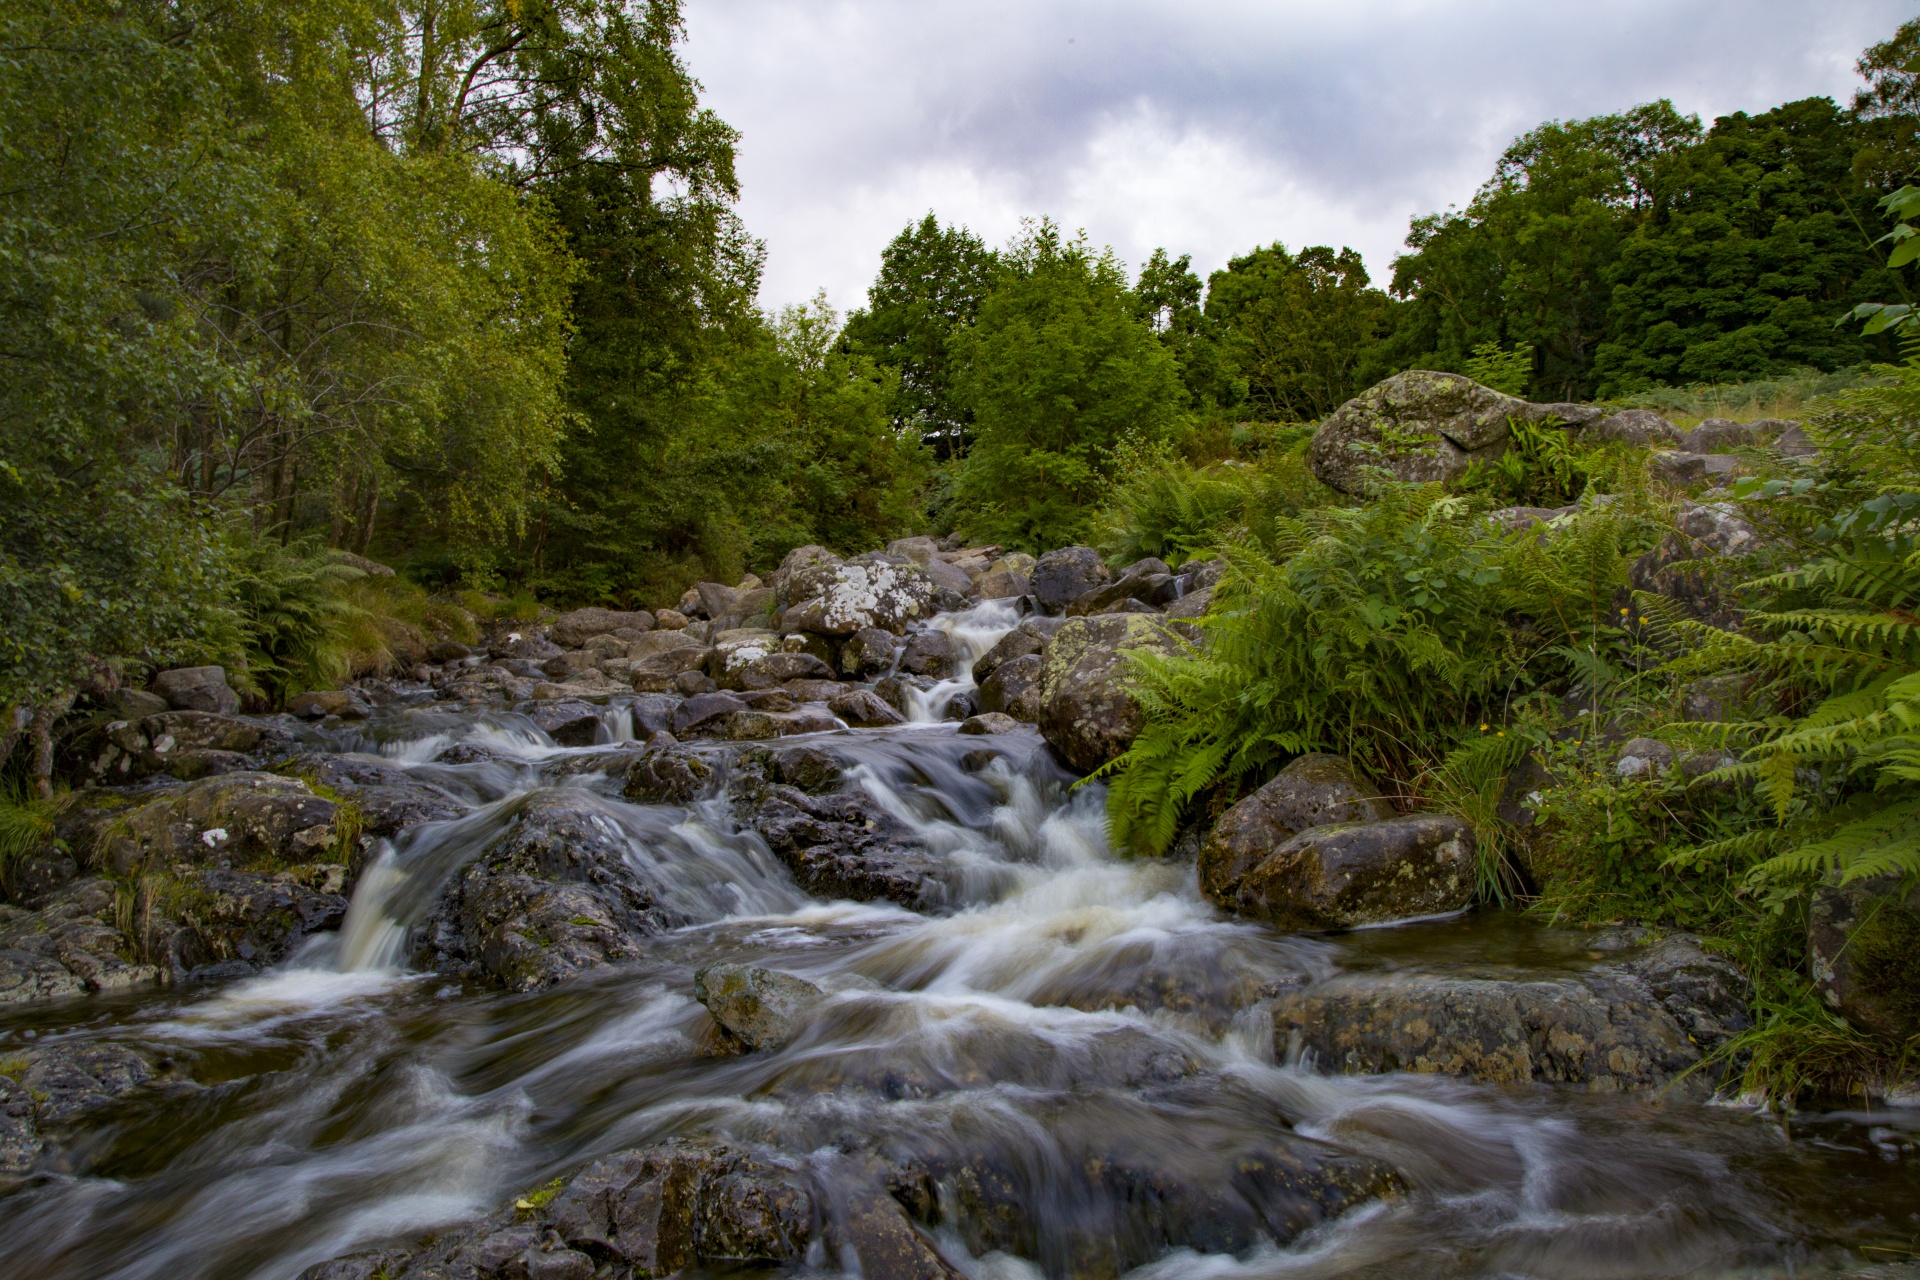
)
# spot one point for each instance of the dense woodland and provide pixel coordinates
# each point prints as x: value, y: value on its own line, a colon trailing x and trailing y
x: 460, y: 288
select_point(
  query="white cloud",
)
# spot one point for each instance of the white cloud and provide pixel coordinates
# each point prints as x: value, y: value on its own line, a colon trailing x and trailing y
x: 1206, y: 126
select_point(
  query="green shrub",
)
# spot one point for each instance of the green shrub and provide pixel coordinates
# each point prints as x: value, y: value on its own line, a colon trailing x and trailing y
x: 299, y: 626
x: 1386, y: 633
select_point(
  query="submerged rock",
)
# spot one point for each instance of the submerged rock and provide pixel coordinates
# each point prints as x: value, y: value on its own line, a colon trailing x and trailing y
x: 757, y: 1008
x: 1638, y: 1025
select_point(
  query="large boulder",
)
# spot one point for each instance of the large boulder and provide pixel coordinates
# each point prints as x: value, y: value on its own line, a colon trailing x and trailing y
x: 1030, y: 637
x: 553, y: 895
x: 1634, y: 426
x: 1314, y: 790
x: 197, y: 689
x: 1419, y: 425
x: 69, y: 945
x: 844, y: 845
x: 1356, y: 873
x: 1697, y: 564
x: 1717, y: 435
x: 804, y: 573
x: 867, y: 653
x: 574, y: 629
x: 182, y: 744
x: 257, y: 821
x: 1641, y: 1024
x: 929, y: 653
x: 870, y: 593
x: 1087, y: 711
x: 1863, y: 945
x: 1151, y: 586
x: 1061, y: 577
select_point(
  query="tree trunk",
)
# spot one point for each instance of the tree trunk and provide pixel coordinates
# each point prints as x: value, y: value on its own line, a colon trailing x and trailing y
x: 40, y: 731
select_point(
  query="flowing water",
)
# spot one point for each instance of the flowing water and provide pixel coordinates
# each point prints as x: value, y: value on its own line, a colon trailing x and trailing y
x: 1069, y: 1013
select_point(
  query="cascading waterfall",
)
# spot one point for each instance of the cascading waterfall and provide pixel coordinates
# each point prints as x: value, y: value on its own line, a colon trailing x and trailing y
x: 1067, y: 1014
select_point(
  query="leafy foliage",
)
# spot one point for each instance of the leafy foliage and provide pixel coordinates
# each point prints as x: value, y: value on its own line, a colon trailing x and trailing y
x: 1383, y: 633
x: 1057, y: 372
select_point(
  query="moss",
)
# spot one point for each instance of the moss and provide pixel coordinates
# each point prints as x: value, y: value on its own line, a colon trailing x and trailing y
x: 15, y: 1065
x: 1886, y: 961
x: 541, y: 1198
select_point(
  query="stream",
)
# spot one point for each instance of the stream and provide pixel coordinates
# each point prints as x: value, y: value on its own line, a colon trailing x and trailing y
x: 1058, y: 1015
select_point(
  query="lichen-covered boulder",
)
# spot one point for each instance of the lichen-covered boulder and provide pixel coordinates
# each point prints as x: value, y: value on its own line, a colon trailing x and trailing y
x: 875, y: 593
x: 241, y: 820
x: 1061, y: 577
x: 183, y: 744
x: 1863, y: 946
x: 1419, y: 425
x: 1087, y: 711
x: 1717, y: 435
x: 1314, y: 790
x: 1355, y: 873
x: 1641, y: 1024
x: 1030, y: 637
x: 867, y: 653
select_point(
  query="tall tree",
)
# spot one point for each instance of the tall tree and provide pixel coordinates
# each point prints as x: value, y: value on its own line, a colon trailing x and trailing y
x: 931, y: 281
x: 1167, y: 296
x: 1527, y: 262
x: 1753, y: 241
x: 1301, y: 329
x: 1058, y: 371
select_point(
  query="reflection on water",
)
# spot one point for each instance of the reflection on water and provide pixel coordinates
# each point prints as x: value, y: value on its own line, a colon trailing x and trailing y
x: 1075, y: 1021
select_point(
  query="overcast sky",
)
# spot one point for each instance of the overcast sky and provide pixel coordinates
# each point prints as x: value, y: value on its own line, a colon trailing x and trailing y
x: 1207, y: 126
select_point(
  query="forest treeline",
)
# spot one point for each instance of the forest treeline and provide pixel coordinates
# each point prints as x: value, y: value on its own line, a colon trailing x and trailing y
x: 461, y: 287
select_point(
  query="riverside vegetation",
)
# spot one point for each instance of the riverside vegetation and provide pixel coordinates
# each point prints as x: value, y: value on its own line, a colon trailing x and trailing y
x: 549, y: 771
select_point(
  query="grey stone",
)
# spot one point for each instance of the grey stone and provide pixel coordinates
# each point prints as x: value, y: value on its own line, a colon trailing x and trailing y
x: 197, y: 689
x: 1347, y: 874
x: 1087, y: 711
x: 864, y: 709
x: 1863, y: 948
x: 1061, y: 577
x: 1419, y: 425
x: 1014, y: 688
x: 1634, y: 426
x: 989, y: 722
x: 703, y: 712
x: 759, y: 1008
x: 574, y: 629
x: 928, y: 653
x: 1314, y: 790
x: 1641, y: 756
x: 1717, y: 435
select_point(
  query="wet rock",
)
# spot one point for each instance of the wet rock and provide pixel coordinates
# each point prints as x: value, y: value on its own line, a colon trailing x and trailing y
x: 239, y: 819
x: 569, y: 722
x: 574, y: 629
x: 570, y: 665
x: 1116, y: 1190
x: 869, y: 594
x: 1419, y: 425
x: 864, y: 709
x: 1354, y: 873
x: 1002, y: 584
x: 552, y: 896
x: 1061, y: 577
x: 1634, y: 426
x: 704, y: 713
x: 775, y: 669
x: 990, y: 722
x: 867, y: 653
x: 846, y: 846
x: 258, y: 919
x: 20, y: 1141
x: 77, y: 1082
x: 1863, y: 948
x: 1087, y: 711
x: 197, y: 689
x: 661, y: 671
x: 805, y: 720
x: 773, y: 700
x: 1014, y: 688
x: 758, y: 1008
x: 1636, y: 1025
x: 929, y: 653
x: 529, y: 643
x: 671, y: 775
x: 1314, y: 790
x: 329, y: 702
x: 1029, y: 637
x: 182, y: 744
x: 893, y: 692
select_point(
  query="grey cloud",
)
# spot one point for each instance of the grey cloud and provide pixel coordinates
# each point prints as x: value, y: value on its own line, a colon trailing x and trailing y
x: 1387, y: 108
